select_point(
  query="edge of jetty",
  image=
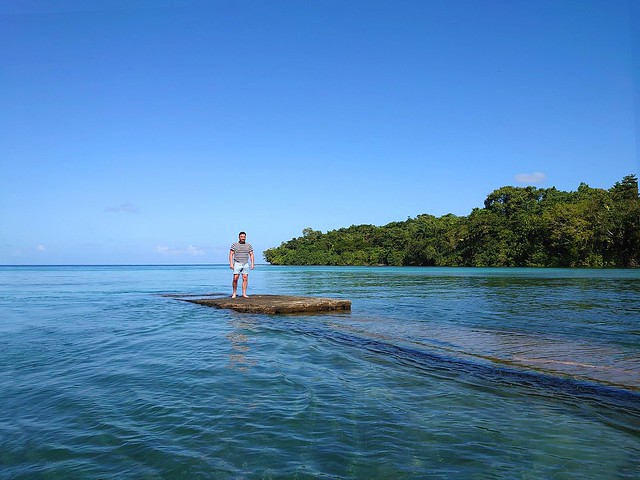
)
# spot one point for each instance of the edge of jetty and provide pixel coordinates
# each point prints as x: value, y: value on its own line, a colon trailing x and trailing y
x: 275, y: 304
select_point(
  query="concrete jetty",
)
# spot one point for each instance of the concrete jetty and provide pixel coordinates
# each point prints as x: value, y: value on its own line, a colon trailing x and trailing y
x: 275, y: 304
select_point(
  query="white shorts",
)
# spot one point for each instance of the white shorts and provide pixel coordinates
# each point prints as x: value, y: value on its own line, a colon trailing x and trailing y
x: 240, y: 268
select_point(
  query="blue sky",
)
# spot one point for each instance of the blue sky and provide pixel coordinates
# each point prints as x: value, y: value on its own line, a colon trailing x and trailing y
x: 154, y: 131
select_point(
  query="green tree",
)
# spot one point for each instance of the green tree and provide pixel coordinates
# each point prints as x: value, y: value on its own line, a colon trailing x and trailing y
x: 517, y: 227
x: 625, y: 221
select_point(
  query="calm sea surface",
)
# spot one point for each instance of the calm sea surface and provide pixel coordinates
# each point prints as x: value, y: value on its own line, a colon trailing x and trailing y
x: 436, y: 373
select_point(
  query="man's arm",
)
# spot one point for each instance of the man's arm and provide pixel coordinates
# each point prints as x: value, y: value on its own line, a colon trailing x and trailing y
x: 231, y: 259
x: 252, y: 261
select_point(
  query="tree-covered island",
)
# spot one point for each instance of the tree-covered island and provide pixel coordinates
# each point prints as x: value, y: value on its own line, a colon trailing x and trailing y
x: 518, y: 227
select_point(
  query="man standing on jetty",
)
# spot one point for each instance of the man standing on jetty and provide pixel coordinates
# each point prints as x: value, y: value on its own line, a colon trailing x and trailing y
x: 239, y: 255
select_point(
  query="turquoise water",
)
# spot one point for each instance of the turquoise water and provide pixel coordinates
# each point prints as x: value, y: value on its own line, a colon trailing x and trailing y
x: 436, y: 373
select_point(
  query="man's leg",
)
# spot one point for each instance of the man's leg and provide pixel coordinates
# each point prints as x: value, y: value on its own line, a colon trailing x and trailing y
x: 245, y: 282
x: 235, y: 284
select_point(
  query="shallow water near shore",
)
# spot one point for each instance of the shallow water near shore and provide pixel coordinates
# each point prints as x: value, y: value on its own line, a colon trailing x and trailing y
x: 435, y: 373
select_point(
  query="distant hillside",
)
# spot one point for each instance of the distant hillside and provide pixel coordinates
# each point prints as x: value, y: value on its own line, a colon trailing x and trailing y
x: 518, y: 226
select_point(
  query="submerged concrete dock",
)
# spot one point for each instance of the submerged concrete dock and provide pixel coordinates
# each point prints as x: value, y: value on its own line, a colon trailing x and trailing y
x: 275, y: 304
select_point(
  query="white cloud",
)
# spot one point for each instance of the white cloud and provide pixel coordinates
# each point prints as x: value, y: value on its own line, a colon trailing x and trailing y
x: 531, y: 178
x: 127, y: 207
x: 190, y: 250
x: 40, y: 248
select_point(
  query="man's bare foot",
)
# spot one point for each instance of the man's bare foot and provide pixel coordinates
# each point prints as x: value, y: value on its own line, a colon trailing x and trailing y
x: 233, y: 296
x: 245, y: 296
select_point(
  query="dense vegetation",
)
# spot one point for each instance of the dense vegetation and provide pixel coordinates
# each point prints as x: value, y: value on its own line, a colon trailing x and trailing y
x: 518, y: 226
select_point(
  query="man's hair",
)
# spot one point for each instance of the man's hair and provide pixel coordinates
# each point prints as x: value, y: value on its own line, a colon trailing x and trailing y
x: 242, y: 233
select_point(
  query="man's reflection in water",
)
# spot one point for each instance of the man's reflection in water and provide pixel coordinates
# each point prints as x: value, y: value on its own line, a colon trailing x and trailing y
x: 239, y: 346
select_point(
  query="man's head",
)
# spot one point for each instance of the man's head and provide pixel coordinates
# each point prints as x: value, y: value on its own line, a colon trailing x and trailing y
x: 242, y: 237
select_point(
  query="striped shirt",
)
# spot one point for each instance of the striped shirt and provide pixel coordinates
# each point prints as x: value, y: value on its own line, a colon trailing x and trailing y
x: 241, y: 252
